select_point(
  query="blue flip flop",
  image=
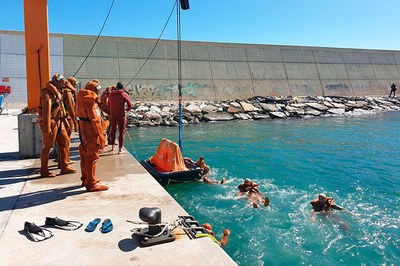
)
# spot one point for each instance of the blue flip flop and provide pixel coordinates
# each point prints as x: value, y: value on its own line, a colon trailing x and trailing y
x: 92, y: 225
x: 106, y: 226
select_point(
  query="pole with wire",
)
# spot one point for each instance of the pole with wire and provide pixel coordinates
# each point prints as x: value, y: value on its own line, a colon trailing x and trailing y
x: 184, y: 6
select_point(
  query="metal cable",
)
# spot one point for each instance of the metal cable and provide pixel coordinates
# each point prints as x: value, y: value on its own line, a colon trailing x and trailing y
x: 155, y: 45
x: 98, y: 36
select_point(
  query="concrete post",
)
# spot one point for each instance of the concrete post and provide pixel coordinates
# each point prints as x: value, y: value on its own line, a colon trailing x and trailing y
x: 29, y: 136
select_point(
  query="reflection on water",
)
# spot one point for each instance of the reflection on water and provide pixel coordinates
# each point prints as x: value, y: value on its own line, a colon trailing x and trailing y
x: 355, y: 160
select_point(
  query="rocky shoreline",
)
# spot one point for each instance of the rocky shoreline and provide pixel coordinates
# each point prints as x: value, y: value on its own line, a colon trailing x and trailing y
x: 256, y: 108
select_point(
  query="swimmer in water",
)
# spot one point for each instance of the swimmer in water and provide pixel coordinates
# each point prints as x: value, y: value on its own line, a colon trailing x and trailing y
x: 324, y: 204
x: 253, y: 193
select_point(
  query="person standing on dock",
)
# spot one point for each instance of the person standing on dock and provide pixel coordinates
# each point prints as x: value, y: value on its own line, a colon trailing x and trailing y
x: 51, y: 120
x: 91, y: 135
x: 393, y: 90
x: 117, y: 100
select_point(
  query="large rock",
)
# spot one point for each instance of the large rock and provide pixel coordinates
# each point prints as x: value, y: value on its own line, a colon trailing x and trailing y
x: 242, y: 116
x: 277, y: 115
x: 234, y: 110
x: 209, y: 108
x: 192, y: 108
x: 154, y: 117
x: 269, y: 107
x: 260, y: 116
x: 317, y: 106
x: 339, y: 105
x: 236, y: 104
x: 155, y: 109
x: 312, y: 112
x: 337, y: 111
x: 218, y: 117
x: 329, y: 104
x: 294, y: 111
x: 248, y: 107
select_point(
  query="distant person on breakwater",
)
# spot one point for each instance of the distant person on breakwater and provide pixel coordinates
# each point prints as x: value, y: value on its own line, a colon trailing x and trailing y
x: 253, y: 193
x: 324, y: 204
x: 205, y: 169
x: 393, y: 90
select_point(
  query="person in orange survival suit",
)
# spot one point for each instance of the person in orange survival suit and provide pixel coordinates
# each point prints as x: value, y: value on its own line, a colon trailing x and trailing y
x: 69, y: 96
x: 51, y: 121
x: 91, y: 135
x: 104, y: 106
x: 68, y: 92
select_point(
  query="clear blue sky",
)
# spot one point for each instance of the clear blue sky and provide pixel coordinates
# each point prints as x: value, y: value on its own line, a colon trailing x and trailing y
x: 367, y: 24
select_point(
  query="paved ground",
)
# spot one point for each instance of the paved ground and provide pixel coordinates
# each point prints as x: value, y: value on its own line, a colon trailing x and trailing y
x: 27, y: 197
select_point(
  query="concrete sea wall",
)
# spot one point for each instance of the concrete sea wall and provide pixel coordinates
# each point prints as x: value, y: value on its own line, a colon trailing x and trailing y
x: 210, y: 71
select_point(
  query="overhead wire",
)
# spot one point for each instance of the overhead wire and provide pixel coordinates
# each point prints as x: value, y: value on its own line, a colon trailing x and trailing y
x: 155, y: 45
x: 98, y: 36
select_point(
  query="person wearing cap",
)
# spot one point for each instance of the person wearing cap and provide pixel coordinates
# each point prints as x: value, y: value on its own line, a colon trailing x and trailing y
x: 91, y: 135
x: 324, y: 204
x: 117, y: 100
x: 51, y: 116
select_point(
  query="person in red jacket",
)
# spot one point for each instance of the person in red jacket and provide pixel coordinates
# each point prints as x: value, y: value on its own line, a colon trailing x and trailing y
x: 91, y: 135
x: 116, y: 101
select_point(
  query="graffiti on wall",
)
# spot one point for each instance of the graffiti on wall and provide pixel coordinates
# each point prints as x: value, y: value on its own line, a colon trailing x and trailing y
x: 337, y: 87
x: 164, y: 92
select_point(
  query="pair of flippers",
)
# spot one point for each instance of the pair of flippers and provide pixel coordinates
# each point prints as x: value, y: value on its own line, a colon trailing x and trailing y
x: 106, y: 226
x: 40, y: 233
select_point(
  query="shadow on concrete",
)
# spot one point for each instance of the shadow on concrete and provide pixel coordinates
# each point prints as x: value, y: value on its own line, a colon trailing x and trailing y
x: 38, y: 198
x: 128, y: 244
x: 16, y: 179
x: 9, y: 156
x: 17, y: 172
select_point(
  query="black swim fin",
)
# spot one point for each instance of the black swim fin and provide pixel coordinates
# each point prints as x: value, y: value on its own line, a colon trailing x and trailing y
x: 62, y: 224
x: 37, y: 233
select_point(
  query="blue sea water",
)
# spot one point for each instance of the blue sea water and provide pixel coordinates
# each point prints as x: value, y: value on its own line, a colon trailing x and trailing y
x: 353, y: 159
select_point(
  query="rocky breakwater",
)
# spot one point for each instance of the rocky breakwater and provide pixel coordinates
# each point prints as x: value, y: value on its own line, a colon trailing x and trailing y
x: 256, y: 108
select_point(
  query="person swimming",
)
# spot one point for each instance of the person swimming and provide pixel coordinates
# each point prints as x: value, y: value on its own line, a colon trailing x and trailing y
x: 205, y: 169
x: 253, y: 193
x: 225, y: 237
x: 324, y: 204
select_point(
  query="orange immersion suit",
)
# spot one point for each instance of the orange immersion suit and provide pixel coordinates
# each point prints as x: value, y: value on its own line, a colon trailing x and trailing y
x: 106, y: 112
x: 53, y: 127
x: 91, y: 135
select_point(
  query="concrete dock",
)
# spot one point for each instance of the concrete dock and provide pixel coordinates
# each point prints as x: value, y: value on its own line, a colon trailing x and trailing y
x: 25, y: 196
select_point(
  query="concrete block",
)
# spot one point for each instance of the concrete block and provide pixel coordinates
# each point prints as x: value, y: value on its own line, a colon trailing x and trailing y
x: 332, y: 71
x: 384, y: 58
x: 365, y: 87
x: 301, y: 71
x: 384, y: 85
x: 139, y: 48
x: 396, y: 55
x: 71, y: 65
x: 386, y: 71
x: 157, y: 90
x: 190, y: 69
x: 271, y: 87
x: 18, y: 91
x: 56, y: 46
x: 262, y: 70
x: 227, y: 53
x: 297, y: 55
x: 80, y: 46
x: 360, y: 71
x: 355, y: 57
x: 230, y: 70
x: 12, y: 44
x: 328, y: 56
x: 153, y: 69
x: 29, y: 136
x: 263, y: 54
x: 305, y: 87
x: 102, y: 67
x: 13, y: 65
x: 56, y: 64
